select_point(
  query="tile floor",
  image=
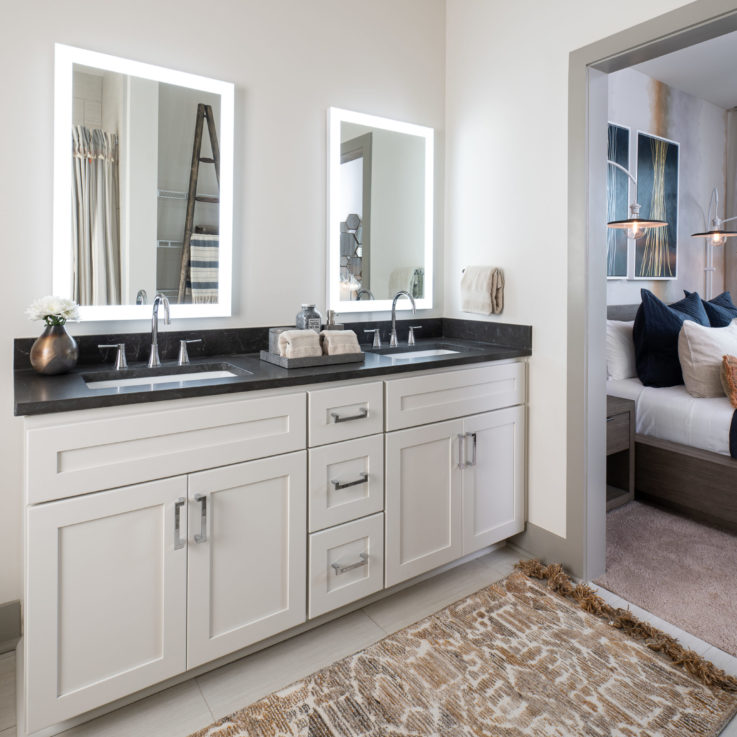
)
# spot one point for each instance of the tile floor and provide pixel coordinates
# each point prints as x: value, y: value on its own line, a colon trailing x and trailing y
x: 190, y: 706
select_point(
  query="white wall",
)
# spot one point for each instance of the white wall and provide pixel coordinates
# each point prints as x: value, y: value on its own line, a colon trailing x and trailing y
x: 506, y: 177
x: 290, y: 60
x: 700, y: 127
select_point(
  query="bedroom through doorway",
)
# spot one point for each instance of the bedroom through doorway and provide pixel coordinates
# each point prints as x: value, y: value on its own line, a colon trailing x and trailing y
x: 671, y: 434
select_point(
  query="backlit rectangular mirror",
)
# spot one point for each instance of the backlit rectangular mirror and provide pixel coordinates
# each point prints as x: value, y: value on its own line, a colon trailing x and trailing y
x: 380, y: 212
x: 143, y: 187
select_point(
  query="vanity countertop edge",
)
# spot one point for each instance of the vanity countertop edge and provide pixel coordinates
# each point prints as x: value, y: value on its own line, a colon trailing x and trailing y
x: 35, y: 394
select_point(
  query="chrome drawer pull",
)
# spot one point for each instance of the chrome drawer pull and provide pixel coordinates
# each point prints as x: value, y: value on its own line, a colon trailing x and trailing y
x: 461, y: 451
x: 338, y: 568
x: 473, y: 448
x: 344, y: 485
x: 362, y: 415
x: 610, y: 419
x: 178, y: 504
x: 202, y: 537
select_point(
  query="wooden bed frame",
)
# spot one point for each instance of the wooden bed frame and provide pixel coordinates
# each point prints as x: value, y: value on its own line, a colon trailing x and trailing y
x: 698, y: 483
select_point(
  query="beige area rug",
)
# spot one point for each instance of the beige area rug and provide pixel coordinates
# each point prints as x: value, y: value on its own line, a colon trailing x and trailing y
x: 677, y: 569
x: 513, y: 660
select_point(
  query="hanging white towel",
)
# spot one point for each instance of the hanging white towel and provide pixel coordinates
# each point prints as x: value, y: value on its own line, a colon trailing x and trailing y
x: 299, y: 344
x: 482, y: 290
x: 339, y: 342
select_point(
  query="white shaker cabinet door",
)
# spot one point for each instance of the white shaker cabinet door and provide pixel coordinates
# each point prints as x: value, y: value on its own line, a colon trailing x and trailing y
x: 105, y: 597
x: 247, y: 554
x: 493, y: 478
x: 423, y: 499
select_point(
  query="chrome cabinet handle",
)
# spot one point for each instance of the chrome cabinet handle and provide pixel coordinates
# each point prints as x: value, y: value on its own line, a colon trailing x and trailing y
x: 202, y: 537
x: 461, y: 451
x: 362, y: 415
x: 344, y: 485
x: 472, y: 435
x: 610, y: 419
x: 339, y: 568
x: 178, y: 541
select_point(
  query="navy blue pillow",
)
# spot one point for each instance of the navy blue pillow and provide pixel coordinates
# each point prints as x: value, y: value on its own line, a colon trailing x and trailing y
x: 720, y: 310
x: 655, y: 335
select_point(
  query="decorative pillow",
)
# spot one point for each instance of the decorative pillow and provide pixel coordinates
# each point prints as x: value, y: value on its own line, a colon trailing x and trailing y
x: 655, y: 334
x: 700, y: 350
x: 620, y: 350
x: 728, y: 376
x: 720, y: 310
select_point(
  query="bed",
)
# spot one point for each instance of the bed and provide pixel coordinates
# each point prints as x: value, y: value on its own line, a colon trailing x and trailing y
x: 682, y: 447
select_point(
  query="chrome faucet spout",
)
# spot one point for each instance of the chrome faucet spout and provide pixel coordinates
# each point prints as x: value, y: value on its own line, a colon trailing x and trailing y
x: 153, y: 359
x: 393, y: 343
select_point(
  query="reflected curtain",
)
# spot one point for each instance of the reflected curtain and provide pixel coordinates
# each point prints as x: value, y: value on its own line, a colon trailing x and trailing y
x: 95, y: 217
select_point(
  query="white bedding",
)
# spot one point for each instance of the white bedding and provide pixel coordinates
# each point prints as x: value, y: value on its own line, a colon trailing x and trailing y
x: 671, y: 413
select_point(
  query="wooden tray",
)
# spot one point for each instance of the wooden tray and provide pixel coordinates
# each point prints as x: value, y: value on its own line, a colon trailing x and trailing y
x: 291, y: 363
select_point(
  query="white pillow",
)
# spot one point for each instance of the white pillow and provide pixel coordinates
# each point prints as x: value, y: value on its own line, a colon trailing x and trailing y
x: 620, y: 350
x: 700, y: 351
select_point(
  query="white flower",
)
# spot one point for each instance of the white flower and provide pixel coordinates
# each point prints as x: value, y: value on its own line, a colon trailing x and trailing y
x: 53, y: 310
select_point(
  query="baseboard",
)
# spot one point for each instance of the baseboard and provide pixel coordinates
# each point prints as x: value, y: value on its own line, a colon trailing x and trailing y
x: 547, y: 546
x: 9, y: 626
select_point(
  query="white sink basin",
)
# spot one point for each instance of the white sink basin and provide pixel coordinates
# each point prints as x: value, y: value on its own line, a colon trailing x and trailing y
x: 175, y: 379
x: 412, y: 355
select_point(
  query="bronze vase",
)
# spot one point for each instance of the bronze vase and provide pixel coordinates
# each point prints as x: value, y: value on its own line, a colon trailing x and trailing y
x: 54, y: 351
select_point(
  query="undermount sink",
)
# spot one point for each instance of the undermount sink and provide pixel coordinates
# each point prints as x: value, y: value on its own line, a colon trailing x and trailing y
x: 162, y: 376
x: 414, y: 355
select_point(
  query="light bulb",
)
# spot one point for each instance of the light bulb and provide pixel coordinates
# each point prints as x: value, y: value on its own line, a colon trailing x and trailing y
x: 717, y: 239
x: 634, y: 231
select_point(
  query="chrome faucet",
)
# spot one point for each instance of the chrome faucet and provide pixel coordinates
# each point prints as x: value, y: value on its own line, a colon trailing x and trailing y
x: 403, y: 293
x: 153, y: 359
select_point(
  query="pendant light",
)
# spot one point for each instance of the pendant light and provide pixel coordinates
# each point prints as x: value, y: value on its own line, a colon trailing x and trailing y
x: 716, y: 235
x: 634, y: 225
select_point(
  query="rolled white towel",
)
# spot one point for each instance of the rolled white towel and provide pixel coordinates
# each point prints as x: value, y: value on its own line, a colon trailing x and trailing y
x: 482, y: 290
x: 299, y: 344
x: 339, y: 342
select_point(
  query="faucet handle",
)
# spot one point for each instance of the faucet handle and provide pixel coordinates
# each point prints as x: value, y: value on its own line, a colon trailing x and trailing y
x: 183, y: 355
x: 120, y: 362
x: 377, y: 337
x: 411, y: 338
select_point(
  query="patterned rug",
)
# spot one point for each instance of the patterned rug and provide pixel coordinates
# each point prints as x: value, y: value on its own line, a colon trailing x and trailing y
x: 513, y: 660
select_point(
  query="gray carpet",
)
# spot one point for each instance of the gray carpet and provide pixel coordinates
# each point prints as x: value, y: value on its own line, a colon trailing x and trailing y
x: 679, y: 570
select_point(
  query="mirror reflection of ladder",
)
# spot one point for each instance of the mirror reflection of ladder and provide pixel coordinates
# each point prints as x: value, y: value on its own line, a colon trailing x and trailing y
x: 204, y: 112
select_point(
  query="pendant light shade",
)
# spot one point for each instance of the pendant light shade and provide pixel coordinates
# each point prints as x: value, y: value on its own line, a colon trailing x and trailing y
x: 634, y: 224
x: 716, y: 234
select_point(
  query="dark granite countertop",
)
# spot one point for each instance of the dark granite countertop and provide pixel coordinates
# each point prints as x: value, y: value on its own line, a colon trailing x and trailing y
x: 36, y: 394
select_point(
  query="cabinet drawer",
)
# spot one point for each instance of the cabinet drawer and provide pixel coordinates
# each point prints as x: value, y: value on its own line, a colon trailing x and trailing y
x: 346, y: 481
x: 345, y: 412
x: 69, y: 459
x: 420, y: 400
x: 617, y: 433
x: 346, y: 564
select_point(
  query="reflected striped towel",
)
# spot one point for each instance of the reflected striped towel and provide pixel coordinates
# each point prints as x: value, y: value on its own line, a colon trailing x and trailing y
x: 203, y: 268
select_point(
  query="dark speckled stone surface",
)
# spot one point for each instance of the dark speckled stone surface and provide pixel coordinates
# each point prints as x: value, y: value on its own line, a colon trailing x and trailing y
x: 476, y: 341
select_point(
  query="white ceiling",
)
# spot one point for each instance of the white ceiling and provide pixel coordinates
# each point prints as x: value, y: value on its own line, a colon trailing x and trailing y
x: 707, y: 70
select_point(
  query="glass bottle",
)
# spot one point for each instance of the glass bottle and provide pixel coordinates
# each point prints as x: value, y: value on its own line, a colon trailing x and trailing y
x: 308, y: 318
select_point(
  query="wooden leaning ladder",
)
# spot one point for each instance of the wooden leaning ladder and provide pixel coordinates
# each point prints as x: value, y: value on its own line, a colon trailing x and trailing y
x: 204, y: 112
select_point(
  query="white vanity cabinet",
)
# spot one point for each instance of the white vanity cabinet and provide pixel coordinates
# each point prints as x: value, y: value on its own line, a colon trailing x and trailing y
x: 105, y: 607
x: 247, y: 554
x: 164, y: 536
x: 129, y: 586
x: 457, y: 486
